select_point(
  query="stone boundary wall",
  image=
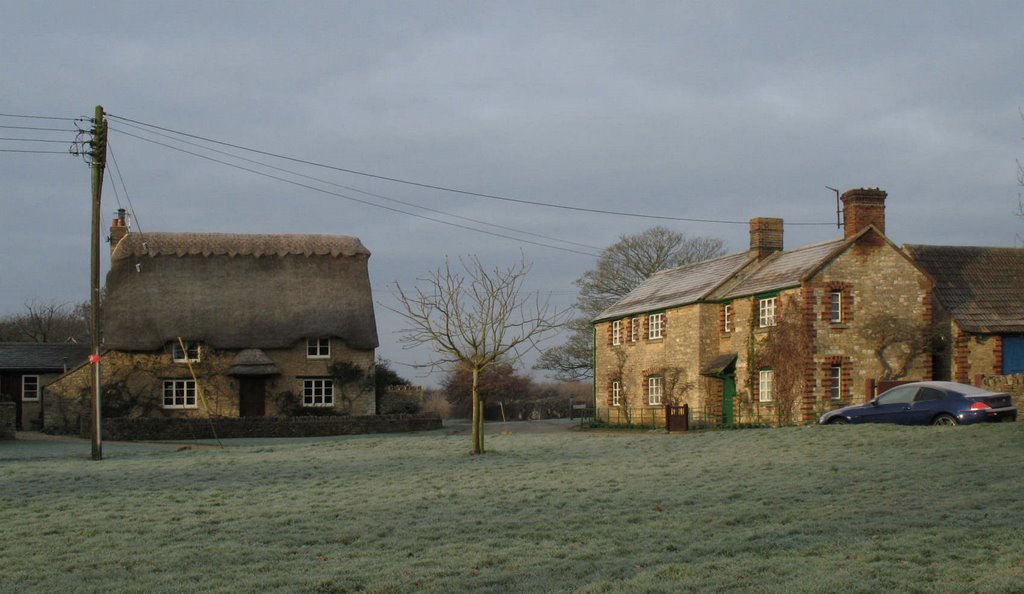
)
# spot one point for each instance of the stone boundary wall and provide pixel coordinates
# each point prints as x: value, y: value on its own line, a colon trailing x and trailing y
x: 143, y: 429
x: 1014, y: 384
x: 8, y: 420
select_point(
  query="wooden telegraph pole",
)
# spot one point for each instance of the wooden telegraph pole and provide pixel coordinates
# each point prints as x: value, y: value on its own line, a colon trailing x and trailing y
x: 99, y: 161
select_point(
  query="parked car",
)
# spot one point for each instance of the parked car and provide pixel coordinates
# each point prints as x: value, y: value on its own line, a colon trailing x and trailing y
x: 928, y: 403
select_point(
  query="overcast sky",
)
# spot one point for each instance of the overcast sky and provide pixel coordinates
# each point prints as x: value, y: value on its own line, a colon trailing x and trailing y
x: 710, y: 110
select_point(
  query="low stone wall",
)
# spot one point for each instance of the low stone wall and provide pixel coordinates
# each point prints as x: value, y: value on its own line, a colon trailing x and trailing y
x: 1014, y: 384
x: 8, y: 420
x: 141, y: 429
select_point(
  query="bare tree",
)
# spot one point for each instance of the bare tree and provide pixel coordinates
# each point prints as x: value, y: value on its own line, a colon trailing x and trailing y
x: 621, y: 267
x: 46, y: 321
x: 474, y: 318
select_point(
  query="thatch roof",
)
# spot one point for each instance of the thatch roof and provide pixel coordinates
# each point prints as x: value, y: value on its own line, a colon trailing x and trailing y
x: 235, y: 291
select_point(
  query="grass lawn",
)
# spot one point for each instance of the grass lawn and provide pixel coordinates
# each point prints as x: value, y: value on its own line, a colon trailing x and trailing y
x: 811, y: 509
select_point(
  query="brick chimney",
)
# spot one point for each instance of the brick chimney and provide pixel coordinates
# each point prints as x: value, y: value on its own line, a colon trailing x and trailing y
x: 863, y: 207
x: 765, y: 237
x: 118, y: 229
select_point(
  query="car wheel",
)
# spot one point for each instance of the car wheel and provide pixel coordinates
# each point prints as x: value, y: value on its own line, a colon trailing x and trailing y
x: 946, y: 420
x: 839, y: 421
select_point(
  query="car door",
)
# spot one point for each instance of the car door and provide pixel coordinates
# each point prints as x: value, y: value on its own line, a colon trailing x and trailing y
x: 892, y: 406
x: 928, y: 402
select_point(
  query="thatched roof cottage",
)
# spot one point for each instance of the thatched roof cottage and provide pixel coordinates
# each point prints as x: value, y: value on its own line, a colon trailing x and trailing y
x: 199, y: 324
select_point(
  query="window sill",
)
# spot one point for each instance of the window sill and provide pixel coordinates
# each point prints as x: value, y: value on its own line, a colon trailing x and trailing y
x: 839, y: 325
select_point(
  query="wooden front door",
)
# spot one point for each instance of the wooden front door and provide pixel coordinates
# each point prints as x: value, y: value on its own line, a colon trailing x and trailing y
x: 11, y: 385
x: 252, y: 396
x: 728, y: 392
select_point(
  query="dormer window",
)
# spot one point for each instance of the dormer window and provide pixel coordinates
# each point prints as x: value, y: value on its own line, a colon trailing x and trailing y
x: 318, y: 348
x: 190, y: 354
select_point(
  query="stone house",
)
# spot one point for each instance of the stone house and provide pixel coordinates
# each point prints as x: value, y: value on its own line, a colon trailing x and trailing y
x: 769, y: 335
x: 979, y: 309
x: 26, y: 367
x: 229, y: 325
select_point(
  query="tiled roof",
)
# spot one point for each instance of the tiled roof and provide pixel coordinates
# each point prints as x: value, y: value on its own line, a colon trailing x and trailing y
x: 784, y: 269
x: 37, y: 356
x: 677, y: 286
x: 981, y: 287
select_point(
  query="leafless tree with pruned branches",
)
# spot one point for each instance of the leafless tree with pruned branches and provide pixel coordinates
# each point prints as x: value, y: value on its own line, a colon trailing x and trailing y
x: 474, y: 317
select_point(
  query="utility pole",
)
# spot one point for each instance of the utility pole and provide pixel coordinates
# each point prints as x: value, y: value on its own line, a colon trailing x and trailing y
x: 98, y: 153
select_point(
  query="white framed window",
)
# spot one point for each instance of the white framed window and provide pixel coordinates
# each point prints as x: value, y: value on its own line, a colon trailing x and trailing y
x: 179, y: 393
x: 836, y: 375
x: 634, y: 329
x: 835, y: 304
x: 29, y: 388
x: 654, y: 386
x: 616, y: 393
x: 318, y: 392
x: 765, y: 387
x: 766, y: 312
x: 617, y: 332
x: 318, y: 348
x: 189, y: 355
x: 727, y: 318
x: 655, y: 326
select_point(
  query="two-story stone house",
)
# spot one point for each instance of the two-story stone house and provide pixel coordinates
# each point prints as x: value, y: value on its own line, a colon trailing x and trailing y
x: 769, y: 335
x: 229, y: 325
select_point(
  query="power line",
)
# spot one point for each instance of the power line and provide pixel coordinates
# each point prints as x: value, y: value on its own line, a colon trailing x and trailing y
x: 366, y: 202
x: 350, y: 188
x: 35, y: 152
x: 444, y: 188
x: 34, y: 140
x: 37, y: 128
x: 39, y: 117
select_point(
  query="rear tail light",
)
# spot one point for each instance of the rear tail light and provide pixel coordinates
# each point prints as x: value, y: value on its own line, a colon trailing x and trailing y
x: 980, y: 406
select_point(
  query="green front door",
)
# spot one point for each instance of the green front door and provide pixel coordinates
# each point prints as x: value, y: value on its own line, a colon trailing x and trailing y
x: 728, y: 391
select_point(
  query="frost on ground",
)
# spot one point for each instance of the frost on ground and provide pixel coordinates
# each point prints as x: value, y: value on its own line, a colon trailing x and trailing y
x: 852, y: 509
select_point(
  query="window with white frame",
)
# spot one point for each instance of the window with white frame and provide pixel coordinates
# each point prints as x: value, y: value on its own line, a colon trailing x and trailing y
x: 179, y: 393
x: 836, y: 374
x: 765, y: 385
x: 318, y: 348
x: 727, y: 318
x: 318, y: 392
x: 634, y: 329
x: 29, y: 388
x: 617, y: 332
x: 766, y: 312
x: 190, y: 354
x: 654, y: 386
x: 616, y: 393
x: 835, y: 302
x: 655, y: 326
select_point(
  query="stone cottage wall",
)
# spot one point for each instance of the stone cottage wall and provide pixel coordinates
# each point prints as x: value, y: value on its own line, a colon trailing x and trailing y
x: 133, y: 385
x: 879, y: 286
x: 675, y: 357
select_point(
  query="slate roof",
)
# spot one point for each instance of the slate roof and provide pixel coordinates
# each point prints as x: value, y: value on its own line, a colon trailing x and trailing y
x: 981, y: 287
x: 677, y: 286
x: 782, y: 270
x: 38, y: 356
x: 235, y: 291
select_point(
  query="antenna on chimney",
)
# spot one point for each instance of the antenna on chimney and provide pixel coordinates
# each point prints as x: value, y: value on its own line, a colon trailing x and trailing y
x: 839, y: 211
